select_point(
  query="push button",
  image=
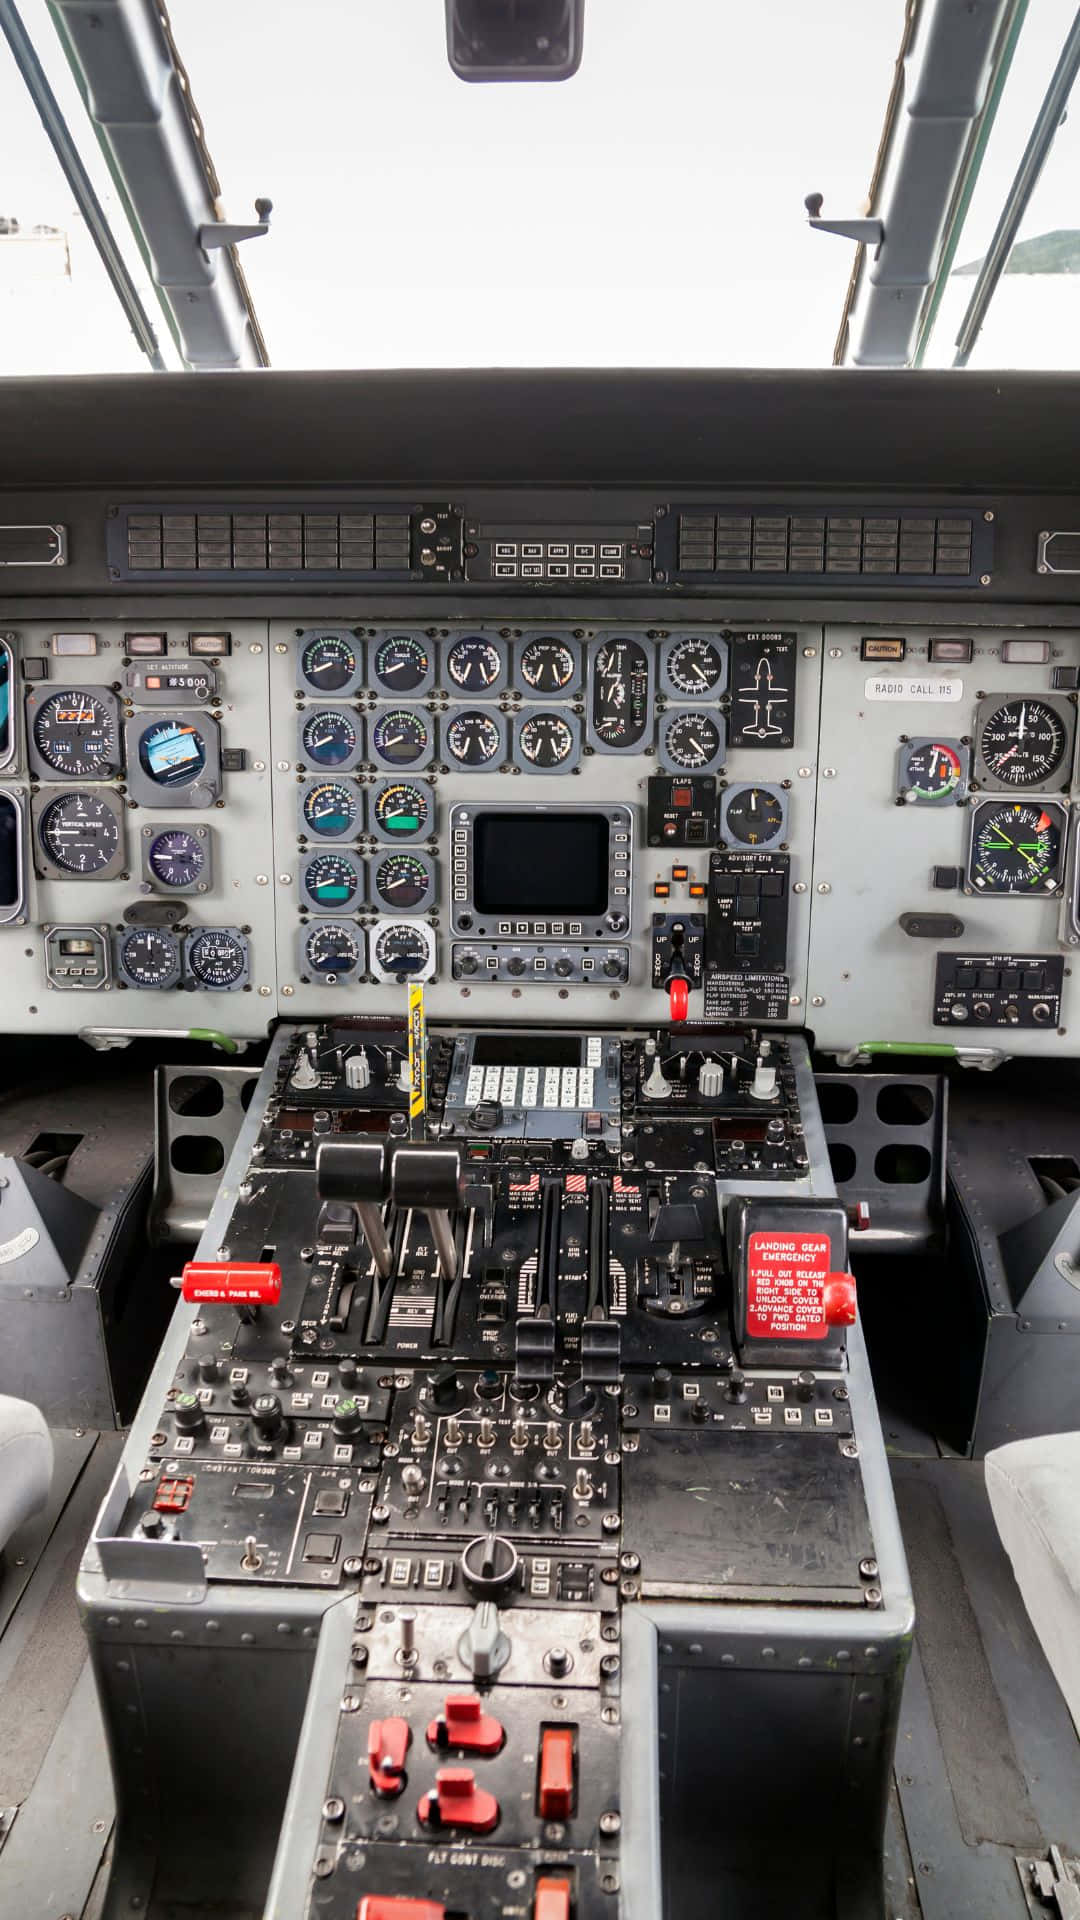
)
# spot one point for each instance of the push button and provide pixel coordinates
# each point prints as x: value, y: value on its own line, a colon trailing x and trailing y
x: 555, y: 1787
x: 388, y: 1743
x: 552, y: 1900
x: 463, y: 1723
x: 457, y: 1801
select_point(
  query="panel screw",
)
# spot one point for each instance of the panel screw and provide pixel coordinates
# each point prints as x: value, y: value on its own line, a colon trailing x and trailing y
x: 818, y: 1000
x: 609, y: 1824
x: 799, y: 887
x: 836, y: 653
x: 984, y: 579
x: 848, y: 1448
x: 868, y: 1569
x: 281, y: 647
x: 828, y: 773
x: 630, y: 1562
x: 333, y: 1808
x: 824, y: 887
x: 380, y: 1514
x: 872, y: 1596
x: 284, y: 879
x: 809, y: 653
x: 609, y: 1665
x: 805, y: 772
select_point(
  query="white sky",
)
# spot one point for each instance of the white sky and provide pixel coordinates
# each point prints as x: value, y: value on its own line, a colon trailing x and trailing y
x: 649, y: 211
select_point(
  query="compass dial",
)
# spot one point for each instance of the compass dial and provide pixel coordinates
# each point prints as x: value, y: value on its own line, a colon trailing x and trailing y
x: 545, y: 741
x: 176, y: 858
x: 1023, y: 742
x: 694, y: 667
x: 402, y: 664
x: 473, y: 740
x: 401, y: 738
x: 80, y: 832
x: 1017, y: 847
x: 403, y: 882
x: 474, y: 665
x: 547, y: 664
x: 75, y: 734
x: 330, y: 739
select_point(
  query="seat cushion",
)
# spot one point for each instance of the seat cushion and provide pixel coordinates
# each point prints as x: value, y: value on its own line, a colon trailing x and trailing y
x: 1034, y: 1489
x: 26, y: 1464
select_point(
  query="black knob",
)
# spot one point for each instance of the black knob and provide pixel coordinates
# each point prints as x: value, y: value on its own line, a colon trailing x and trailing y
x: 279, y: 1371
x: 348, y: 1373
x: 151, y: 1524
x: 447, y: 1392
x: 699, y: 1413
x: 267, y: 1416
x: 613, y: 967
x: 804, y: 1387
x: 188, y: 1413
x: 210, y: 1371
x: 515, y: 965
x: 736, y: 1386
x: 488, y: 1385
x: 468, y: 963
x: 347, y: 1418
x: 661, y: 1383
x: 489, y: 1565
x: 564, y: 967
x: 580, y: 1400
x: 775, y: 1131
x: 239, y: 1394
x: 321, y: 1121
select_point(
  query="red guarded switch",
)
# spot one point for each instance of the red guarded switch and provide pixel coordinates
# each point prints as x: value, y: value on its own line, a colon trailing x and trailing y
x: 457, y: 1801
x: 679, y: 998
x: 838, y: 1300
x: 398, y: 1906
x: 552, y: 1900
x: 387, y: 1745
x: 236, y: 1284
x: 555, y: 1786
x: 463, y: 1723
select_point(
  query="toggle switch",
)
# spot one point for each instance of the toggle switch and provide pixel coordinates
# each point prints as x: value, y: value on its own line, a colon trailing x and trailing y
x: 555, y: 1780
x: 552, y: 1900
x: 463, y: 1723
x: 388, y: 1743
x: 457, y: 1801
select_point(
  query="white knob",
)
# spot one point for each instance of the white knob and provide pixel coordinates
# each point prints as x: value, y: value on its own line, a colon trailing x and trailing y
x: 710, y: 1079
x: 656, y: 1087
x: 764, y: 1085
x: 358, y: 1071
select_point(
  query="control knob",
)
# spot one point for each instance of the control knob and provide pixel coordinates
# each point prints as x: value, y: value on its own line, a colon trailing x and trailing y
x: 347, y: 1418
x: 515, y: 965
x: 710, y: 1080
x: 612, y: 968
x: 564, y: 966
x: 266, y: 1416
x: 468, y: 963
x: 490, y: 1565
x: 188, y: 1413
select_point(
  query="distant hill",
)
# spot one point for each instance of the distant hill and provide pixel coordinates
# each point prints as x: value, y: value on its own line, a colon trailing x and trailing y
x: 1057, y: 252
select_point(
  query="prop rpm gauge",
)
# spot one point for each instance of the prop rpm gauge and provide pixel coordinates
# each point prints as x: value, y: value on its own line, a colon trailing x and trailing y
x: 1022, y: 742
x: 474, y: 740
x: 332, y: 952
x: 149, y: 958
x: 404, y: 882
x: 75, y: 734
x: 546, y: 741
x: 216, y: 959
x: 80, y: 833
x: 691, y: 742
x: 401, y: 809
x: 402, y: 950
x: 1017, y: 847
x: 754, y: 816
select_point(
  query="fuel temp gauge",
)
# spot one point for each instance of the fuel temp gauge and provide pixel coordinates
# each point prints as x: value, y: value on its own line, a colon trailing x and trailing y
x: 933, y: 772
x: 402, y: 950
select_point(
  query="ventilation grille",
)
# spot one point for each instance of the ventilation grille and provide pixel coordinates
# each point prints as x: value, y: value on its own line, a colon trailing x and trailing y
x: 356, y: 542
x: 901, y: 545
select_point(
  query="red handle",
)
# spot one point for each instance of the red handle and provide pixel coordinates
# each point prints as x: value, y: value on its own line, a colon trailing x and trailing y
x: 679, y: 998
x: 251, y: 1283
x: 838, y: 1299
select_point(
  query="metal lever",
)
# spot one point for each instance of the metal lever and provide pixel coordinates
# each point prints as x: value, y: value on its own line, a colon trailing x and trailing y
x: 225, y: 233
x: 432, y: 1179
x: 357, y: 1171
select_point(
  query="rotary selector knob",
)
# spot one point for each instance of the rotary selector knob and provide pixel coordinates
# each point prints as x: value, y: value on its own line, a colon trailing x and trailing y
x: 188, y: 1413
x: 468, y: 963
x: 490, y: 1565
x: 266, y: 1414
x: 347, y: 1418
x: 612, y: 967
x: 564, y: 967
x: 711, y: 1080
x: 515, y: 965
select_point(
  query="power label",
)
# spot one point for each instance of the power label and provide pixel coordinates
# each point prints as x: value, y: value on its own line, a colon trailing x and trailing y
x: 785, y: 1285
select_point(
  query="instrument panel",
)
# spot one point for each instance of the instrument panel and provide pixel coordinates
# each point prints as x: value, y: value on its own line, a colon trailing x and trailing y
x: 273, y: 815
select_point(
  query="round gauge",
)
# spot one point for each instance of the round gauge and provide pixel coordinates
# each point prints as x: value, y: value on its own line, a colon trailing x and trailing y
x: 547, y: 664
x: 401, y: 951
x: 473, y: 664
x: 329, y: 739
x: 1016, y: 847
x: 932, y: 770
x: 400, y: 738
x: 473, y: 739
x: 329, y: 662
x: 75, y: 734
x: 401, y: 810
x: 216, y: 958
x: 546, y: 740
x: 754, y: 816
x: 1023, y: 742
x: 172, y: 753
x: 692, y: 741
x: 330, y: 809
x: 402, y: 663
x: 331, y: 881
x: 694, y: 667
x: 80, y: 833
x: 176, y: 858
x: 332, y: 950
x: 402, y: 882
x: 150, y: 957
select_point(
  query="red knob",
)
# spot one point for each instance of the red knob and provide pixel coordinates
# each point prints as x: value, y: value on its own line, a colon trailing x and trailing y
x: 679, y: 997
x: 838, y: 1300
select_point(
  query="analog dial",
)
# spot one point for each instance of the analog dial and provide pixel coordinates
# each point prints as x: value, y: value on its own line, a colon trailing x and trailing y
x: 473, y: 739
x: 401, y: 738
x: 402, y: 663
x: 754, y: 816
x: 546, y: 741
x: 331, y: 809
x: 1016, y: 846
x: 329, y: 739
x: 620, y: 696
x: 402, y: 809
x: 80, y: 833
x: 694, y: 667
x: 402, y: 951
x: 473, y: 664
x: 332, y: 950
x: 932, y: 770
x: 331, y: 881
x: 547, y: 664
x: 172, y: 753
x: 150, y: 957
x: 216, y: 958
x: 692, y: 741
x: 1023, y: 742
x: 329, y: 662
x: 402, y: 882
x: 176, y: 858
x: 75, y: 734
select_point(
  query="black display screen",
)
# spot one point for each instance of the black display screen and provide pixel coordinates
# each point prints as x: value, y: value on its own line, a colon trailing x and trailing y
x: 526, y: 1050
x: 545, y: 863
x: 9, y: 854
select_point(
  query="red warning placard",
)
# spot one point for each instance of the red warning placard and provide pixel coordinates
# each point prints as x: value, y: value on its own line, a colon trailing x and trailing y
x: 785, y: 1285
